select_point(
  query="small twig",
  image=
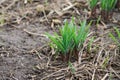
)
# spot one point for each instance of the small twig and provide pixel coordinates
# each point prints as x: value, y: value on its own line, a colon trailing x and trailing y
x: 93, y: 76
x: 11, y: 4
x: 45, y: 16
x: 2, y: 1
x: 99, y: 54
x: 115, y: 73
x: 14, y: 78
x: 38, y: 54
x: 49, y: 59
x: 60, y: 77
x: 106, y: 75
x: 69, y: 7
x: 80, y: 56
x: 54, y: 73
x: 39, y: 48
x: 36, y: 34
x: 39, y: 58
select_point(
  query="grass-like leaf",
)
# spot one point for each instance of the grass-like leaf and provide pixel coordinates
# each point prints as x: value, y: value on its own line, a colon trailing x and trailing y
x: 116, y: 39
x: 63, y: 41
x: 80, y: 35
x: 107, y: 5
x: 70, y: 37
x: 93, y: 3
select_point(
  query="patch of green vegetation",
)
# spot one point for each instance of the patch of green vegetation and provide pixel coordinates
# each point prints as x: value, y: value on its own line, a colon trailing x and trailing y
x: 116, y: 39
x: 93, y: 3
x: 107, y: 5
x: 70, y: 38
x: 105, y: 62
x: 63, y: 42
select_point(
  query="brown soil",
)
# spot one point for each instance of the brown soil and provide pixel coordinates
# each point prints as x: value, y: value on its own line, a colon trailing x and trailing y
x: 24, y: 51
x: 16, y: 61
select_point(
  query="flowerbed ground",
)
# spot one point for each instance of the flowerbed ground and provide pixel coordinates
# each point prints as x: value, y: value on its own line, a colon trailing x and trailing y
x: 24, y: 50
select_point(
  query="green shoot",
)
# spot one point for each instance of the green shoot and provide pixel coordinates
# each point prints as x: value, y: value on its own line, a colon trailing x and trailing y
x: 70, y: 38
x: 93, y: 3
x: 115, y: 39
x: 63, y: 41
x: 107, y: 5
x: 111, y: 76
x: 81, y: 35
x: 90, y: 44
x: 71, y: 67
x: 98, y: 20
x: 105, y: 62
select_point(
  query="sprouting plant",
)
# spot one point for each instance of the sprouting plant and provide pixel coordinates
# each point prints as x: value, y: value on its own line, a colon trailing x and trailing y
x: 90, y: 44
x: 63, y: 42
x: 93, y: 7
x: 106, y: 9
x: 80, y: 34
x: 2, y: 20
x: 116, y: 39
x: 105, y: 62
x: 111, y: 76
x: 107, y: 5
x: 71, y: 67
x: 98, y: 20
x: 70, y: 38
x: 93, y: 3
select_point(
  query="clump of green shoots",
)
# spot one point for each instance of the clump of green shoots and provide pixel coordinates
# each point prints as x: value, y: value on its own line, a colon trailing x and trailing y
x: 80, y: 36
x: 116, y: 39
x: 93, y: 4
x: 106, y: 7
x: 63, y: 42
x: 70, y: 39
